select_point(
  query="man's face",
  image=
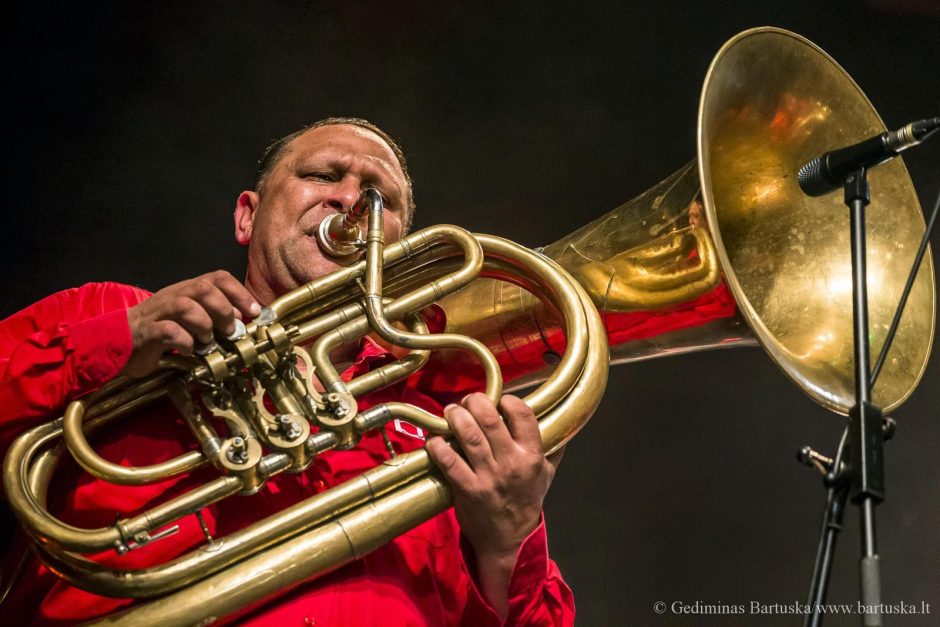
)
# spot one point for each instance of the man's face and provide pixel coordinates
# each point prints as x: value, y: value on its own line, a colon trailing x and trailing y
x: 321, y: 173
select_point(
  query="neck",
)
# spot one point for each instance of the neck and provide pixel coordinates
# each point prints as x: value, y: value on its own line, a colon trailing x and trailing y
x: 259, y: 288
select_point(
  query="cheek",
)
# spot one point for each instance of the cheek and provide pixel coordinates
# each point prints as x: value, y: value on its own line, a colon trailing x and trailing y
x: 392, y: 227
x: 276, y: 226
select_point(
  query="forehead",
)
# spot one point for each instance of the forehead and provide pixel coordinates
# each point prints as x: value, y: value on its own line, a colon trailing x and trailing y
x: 349, y: 145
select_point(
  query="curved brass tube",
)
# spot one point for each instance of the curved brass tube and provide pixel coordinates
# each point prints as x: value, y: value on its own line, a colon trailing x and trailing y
x: 398, y: 472
x: 395, y: 371
x: 99, y: 467
x: 421, y: 496
x: 687, y: 256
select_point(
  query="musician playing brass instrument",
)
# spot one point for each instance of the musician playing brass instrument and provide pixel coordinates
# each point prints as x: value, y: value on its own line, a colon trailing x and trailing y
x: 484, y: 562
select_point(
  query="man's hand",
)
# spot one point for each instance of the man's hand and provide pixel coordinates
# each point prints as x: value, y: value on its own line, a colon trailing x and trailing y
x: 178, y: 316
x: 499, y: 487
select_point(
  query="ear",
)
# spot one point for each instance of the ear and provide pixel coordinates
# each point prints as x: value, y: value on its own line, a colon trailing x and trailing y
x: 245, y: 208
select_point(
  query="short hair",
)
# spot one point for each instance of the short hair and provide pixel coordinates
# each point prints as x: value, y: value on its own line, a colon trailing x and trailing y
x: 277, y: 149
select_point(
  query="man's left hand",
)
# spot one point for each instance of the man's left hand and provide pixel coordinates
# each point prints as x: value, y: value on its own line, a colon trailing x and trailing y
x: 499, y: 487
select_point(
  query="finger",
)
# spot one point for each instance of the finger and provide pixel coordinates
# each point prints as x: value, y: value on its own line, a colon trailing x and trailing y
x: 454, y: 467
x: 470, y: 437
x: 555, y: 458
x: 189, y: 315
x: 172, y: 336
x: 491, y: 424
x: 236, y: 293
x: 521, y: 422
x: 215, y: 302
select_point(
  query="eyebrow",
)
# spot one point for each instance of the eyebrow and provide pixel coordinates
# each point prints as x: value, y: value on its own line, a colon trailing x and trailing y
x: 374, y: 171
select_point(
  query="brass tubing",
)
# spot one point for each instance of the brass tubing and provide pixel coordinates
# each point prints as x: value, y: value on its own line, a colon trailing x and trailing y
x: 393, y: 253
x: 209, y: 440
x: 388, y: 374
x: 419, y: 417
x: 130, y: 396
x: 242, y: 544
x: 401, y: 306
x: 51, y: 531
x: 320, y: 442
x: 316, y: 327
x: 122, y: 394
x: 495, y: 245
x: 565, y: 295
x: 279, y: 392
x: 389, y: 333
x: 37, y: 522
x: 378, y: 415
x: 326, y: 547
x: 403, y: 470
x: 502, y: 251
x: 187, y: 503
x: 397, y: 370
x: 44, y: 467
x: 319, y: 288
x: 378, y: 322
x: 317, y: 551
x: 568, y: 416
x: 399, y: 277
x: 40, y: 471
x: 99, y: 467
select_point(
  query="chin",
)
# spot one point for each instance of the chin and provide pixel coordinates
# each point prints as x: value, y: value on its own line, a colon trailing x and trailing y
x: 320, y: 268
x: 305, y: 261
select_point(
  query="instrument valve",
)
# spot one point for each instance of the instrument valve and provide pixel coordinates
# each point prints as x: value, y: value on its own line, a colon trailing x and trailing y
x: 338, y: 406
x: 288, y: 427
x: 238, y: 452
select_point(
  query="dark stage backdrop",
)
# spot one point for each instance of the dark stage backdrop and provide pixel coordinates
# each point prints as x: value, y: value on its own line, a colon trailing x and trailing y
x: 131, y: 128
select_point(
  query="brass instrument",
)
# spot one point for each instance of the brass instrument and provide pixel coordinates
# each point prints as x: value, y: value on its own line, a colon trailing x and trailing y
x: 726, y: 244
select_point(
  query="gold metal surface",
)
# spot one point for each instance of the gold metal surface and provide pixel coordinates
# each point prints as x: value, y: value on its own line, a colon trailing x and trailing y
x: 720, y: 245
x: 350, y: 516
x: 650, y: 268
x: 728, y: 250
x: 772, y: 101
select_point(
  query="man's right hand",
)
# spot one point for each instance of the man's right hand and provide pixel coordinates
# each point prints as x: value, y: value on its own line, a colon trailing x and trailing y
x: 181, y: 315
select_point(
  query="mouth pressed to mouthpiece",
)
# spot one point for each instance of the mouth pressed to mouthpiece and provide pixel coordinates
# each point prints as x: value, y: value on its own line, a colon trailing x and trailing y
x: 340, y: 235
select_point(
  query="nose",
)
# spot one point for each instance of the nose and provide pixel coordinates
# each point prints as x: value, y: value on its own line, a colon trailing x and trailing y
x: 342, y: 195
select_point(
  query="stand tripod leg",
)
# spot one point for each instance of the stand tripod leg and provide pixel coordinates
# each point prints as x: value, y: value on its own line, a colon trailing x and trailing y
x: 831, y: 526
x: 870, y: 568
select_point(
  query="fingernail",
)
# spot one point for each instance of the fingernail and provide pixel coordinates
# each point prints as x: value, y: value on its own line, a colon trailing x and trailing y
x: 449, y: 406
x: 464, y: 399
x: 254, y: 309
x: 238, y: 331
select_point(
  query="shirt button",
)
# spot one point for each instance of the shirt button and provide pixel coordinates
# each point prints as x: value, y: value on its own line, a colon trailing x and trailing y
x: 309, y: 621
x: 319, y: 485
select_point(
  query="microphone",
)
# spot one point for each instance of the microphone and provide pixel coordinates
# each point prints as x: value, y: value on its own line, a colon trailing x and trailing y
x: 828, y: 171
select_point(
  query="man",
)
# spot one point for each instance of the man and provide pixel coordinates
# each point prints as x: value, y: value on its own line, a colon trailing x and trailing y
x: 500, y: 573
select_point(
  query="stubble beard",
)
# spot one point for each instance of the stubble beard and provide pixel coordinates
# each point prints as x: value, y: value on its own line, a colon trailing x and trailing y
x: 303, y: 263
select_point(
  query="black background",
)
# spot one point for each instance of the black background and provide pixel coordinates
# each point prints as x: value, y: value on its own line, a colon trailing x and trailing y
x: 131, y: 128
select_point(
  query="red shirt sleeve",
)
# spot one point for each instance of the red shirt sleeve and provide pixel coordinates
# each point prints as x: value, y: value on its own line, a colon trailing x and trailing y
x: 59, y: 348
x: 537, y: 593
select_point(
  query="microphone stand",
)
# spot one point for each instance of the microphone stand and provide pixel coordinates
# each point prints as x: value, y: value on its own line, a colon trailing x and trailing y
x: 866, y: 441
x: 858, y: 469
x: 861, y: 476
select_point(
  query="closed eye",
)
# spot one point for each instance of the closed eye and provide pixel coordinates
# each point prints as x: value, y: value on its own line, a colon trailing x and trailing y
x: 321, y: 176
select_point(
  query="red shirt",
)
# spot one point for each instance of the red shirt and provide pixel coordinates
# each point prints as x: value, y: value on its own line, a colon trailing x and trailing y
x: 74, y: 341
